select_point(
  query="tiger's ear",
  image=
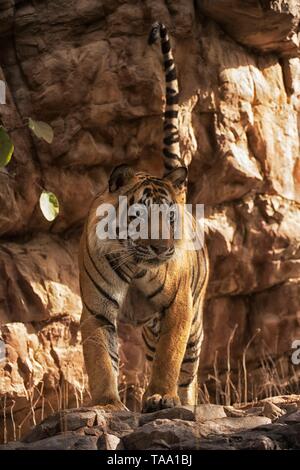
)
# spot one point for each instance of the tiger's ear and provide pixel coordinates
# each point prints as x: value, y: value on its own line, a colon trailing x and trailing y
x: 120, y: 176
x: 177, y: 177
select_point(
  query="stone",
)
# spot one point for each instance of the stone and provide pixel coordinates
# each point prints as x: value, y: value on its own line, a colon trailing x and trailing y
x: 64, y: 421
x: 108, y: 442
x: 272, y: 411
x: 247, y: 25
x: 261, y: 443
x: 6, y: 16
x: 185, y: 413
x: 206, y: 412
x: 254, y: 410
x: 290, y: 407
x: 233, y: 412
x: 225, y: 425
x: 290, y: 418
x: 65, y: 441
x: 161, y: 434
x: 122, y: 422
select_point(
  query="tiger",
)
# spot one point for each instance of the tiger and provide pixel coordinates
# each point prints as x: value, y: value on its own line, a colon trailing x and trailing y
x: 151, y: 282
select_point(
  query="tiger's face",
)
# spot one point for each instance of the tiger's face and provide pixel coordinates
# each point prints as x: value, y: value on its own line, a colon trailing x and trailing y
x: 152, y: 212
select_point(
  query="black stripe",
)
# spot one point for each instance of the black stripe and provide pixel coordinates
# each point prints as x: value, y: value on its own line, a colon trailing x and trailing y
x: 190, y: 379
x: 190, y: 359
x: 195, y: 278
x: 172, y: 99
x: 98, y: 316
x: 193, y: 343
x: 171, y: 75
x: 171, y: 139
x: 151, y: 328
x: 192, y: 279
x: 102, y: 318
x: 156, y: 335
x: 198, y: 288
x: 154, y: 276
x: 156, y: 292
x: 135, y: 187
x: 171, y: 114
x: 101, y: 290
x: 162, y: 192
x: 113, y: 358
x: 159, y: 183
x: 183, y: 371
x: 169, y: 126
x: 196, y: 316
x: 151, y: 348
x: 143, y: 321
x: 165, y: 46
x: 161, y: 287
x: 197, y: 293
x: 163, y: 31
x: 168, y: 63
x: 166, y: 307
x: 117, y: 270
x: 171, y: 91
x: 122, y: 275
x: 140, y: 274
x: 186, y: 384
x: 93, y: 262
x: 169, y: 154
x: 169, y: 167
x: 149, y: 358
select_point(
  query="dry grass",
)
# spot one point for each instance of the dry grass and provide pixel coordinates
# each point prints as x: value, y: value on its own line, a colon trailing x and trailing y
x: 39, y: 405
x: 267, y: 380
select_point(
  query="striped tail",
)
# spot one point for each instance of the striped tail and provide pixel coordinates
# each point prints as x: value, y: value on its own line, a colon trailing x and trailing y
x: 171, y: 150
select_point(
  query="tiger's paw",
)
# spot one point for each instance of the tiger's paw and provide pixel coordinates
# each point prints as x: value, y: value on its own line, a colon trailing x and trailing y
x: 160, y: 402
x: 114, y: 406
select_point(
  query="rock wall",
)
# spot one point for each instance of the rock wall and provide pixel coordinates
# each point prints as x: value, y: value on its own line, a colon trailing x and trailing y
x: 84, y: 67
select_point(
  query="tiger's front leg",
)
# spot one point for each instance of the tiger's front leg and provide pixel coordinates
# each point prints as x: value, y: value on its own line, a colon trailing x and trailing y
x: 100, y: 349
x: 170, y: 349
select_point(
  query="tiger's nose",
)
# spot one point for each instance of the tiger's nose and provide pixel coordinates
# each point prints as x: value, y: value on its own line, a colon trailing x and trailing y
x: 159, y: 249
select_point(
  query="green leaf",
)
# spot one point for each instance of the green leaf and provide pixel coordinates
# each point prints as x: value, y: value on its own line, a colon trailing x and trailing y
x: 6, y: 147
x: 49, y: 205
x: 42, y: 130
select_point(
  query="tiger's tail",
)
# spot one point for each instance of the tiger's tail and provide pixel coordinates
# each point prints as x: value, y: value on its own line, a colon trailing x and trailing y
x: 171, y: 149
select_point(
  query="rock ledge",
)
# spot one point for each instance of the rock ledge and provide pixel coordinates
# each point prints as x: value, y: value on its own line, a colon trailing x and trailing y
x: 272, y: 424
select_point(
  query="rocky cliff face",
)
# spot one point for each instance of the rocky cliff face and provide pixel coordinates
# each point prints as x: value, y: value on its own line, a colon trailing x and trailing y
x: 84, y: 67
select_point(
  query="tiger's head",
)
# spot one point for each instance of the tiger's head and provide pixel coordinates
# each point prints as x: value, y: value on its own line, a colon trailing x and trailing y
x: 152, y: 207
